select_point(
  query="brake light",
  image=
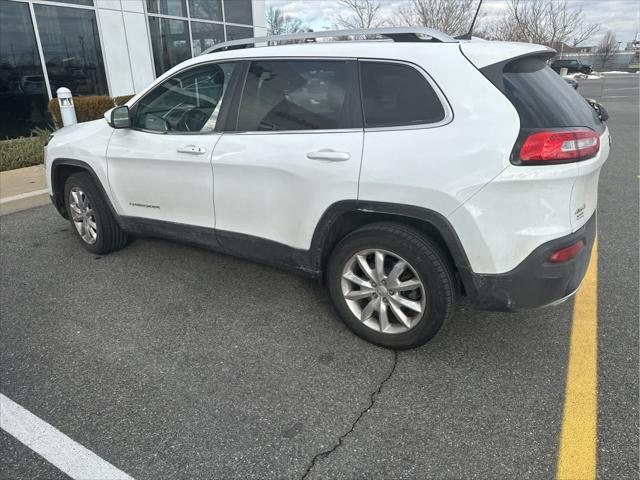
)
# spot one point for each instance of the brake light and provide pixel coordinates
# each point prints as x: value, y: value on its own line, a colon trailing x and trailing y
x: 567, y: 253
x: 554, y: 146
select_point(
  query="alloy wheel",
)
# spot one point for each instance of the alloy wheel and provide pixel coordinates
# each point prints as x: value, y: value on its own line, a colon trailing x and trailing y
x: 383, y: 291
x: 82, y: 215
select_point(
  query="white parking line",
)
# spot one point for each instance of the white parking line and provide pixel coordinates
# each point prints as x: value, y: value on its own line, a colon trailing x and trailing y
x: 23, y: 195
x: 54, y: 446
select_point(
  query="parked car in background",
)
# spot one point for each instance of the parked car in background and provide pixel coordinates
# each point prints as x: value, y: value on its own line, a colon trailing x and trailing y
x: 572, y: 66
x: 33, y: 85
x: 403, y: 175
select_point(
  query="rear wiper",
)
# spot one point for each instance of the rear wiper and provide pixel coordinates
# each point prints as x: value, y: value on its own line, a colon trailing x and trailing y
x: 603, y: 115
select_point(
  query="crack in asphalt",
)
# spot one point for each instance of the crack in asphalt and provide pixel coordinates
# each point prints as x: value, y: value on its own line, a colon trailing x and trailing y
x: 374, y: 394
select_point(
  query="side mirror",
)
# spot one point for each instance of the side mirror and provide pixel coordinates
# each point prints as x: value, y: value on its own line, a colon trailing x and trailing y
x: 120, y: 117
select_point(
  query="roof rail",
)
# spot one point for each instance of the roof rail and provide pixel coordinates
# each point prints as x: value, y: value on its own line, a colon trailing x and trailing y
x: 397, y: 34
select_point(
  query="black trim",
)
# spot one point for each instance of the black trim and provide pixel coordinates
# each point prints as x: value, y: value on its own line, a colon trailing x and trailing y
x: 536, y: 282
x: 229, y: 105
x: 58, y: 190
x: 231, y: 122
x: 239, y: 245
x: 177, y: 232
x: 322, y: 233
x: 266, y: 251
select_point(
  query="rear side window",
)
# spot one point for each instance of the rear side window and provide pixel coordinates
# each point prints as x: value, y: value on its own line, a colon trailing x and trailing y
x: 395, y: 95
x: 543, y: 99
x: 295, y: 95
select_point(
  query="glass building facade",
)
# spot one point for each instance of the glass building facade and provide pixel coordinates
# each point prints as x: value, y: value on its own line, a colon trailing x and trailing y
x: 103, y: 47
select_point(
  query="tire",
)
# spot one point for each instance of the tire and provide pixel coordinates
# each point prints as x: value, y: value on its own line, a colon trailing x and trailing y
x: 108, y: 237
x: 426, y: 265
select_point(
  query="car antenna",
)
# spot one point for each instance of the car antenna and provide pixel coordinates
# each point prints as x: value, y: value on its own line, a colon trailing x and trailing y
x: 467, y: 36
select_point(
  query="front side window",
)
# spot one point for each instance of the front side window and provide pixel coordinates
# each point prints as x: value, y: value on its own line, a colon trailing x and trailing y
x: 188, y: 102
x: 294, y: 95
x: 394, y: 94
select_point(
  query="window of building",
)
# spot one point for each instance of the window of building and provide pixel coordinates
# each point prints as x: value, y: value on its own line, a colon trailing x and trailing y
x: 205, y: 35
x: 72, y: 51
x: 294, y: 95
x: 187, y: 102
x: 176, y: 8
x: 394, y: 94
x: 238, y: 11
x: 170, y: 42
x: 236, y: 33
x: 206, y: 9
x: 23, y: 92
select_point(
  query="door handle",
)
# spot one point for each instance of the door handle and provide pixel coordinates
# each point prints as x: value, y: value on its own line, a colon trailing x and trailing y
x: 328, y: 154
x: 193, y: 149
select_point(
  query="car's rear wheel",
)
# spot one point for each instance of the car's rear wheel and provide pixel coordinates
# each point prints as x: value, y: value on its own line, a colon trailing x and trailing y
x: 90, y: 216
x: 391, y: 285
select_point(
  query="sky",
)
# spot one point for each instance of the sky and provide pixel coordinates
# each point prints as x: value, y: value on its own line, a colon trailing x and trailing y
x: 620, y: 16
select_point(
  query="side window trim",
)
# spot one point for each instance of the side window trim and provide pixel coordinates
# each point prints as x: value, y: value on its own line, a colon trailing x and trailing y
x: 354, y: 109
x: 448, y: 111
x: 224, y: 106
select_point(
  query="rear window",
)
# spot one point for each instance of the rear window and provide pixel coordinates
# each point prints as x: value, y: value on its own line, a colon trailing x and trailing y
x: 543, y: 99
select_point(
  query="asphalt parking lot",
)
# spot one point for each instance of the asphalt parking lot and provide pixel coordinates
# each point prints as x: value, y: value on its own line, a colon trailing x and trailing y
x: 169, y: 361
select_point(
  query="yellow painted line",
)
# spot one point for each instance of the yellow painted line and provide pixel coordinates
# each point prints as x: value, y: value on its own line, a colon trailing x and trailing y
x: 577, y: 455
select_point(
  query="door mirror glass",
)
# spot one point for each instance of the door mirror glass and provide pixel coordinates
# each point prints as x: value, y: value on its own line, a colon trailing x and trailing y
x: 120, y: 117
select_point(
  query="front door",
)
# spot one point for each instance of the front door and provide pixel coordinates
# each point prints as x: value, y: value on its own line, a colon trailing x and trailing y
x: 296, y: 150
x: 160, y: 168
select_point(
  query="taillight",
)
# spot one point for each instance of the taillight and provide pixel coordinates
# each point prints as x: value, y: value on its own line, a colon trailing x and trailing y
x: 567, y: 253
x: 560, y: 146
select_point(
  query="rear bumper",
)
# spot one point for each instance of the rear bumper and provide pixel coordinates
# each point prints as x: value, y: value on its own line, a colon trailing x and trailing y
x: 535, y: 282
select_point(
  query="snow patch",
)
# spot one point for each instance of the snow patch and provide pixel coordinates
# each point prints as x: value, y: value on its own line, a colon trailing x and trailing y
x: 582, y: 76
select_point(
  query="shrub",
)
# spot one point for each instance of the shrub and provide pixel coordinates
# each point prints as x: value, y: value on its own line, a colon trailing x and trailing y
x: 122, y: 100
x: 23, y: 151
x: 87, y: 108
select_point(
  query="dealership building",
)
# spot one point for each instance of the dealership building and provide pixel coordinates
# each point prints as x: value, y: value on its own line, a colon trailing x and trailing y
x: 104, y: 47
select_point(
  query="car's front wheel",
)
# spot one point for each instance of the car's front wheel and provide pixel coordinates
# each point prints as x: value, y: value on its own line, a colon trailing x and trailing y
x: 391, y: 285
x: 90, y: 216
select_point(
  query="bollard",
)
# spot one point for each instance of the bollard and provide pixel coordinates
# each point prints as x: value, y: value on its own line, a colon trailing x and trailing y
x: 67, y: 110
x: 564, y: 71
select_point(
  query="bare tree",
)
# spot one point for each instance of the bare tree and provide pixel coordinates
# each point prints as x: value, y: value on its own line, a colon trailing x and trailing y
x: 450, y: 16
x: 607, y: 48
x: 547, y: 22
x: 279, y: 23
x: 362, y: 14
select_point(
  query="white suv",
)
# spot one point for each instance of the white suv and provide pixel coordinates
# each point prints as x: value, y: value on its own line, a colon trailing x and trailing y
x: 402, y: 173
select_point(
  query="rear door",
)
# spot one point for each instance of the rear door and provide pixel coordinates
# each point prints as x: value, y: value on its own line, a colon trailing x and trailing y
x: 294, y: 149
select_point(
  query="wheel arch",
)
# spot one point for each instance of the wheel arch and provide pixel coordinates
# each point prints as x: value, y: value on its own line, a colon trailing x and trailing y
x: 61, y: 170
x: 345, y: 217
